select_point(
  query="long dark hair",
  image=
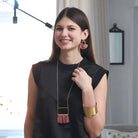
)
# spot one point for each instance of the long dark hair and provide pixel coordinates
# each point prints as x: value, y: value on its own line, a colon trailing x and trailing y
x: 79, y: 17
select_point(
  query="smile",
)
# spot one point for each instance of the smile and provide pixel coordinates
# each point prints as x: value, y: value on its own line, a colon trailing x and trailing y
x: 64, y: 40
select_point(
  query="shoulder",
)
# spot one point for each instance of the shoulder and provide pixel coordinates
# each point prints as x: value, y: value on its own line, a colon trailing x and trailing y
x: 40, y: 68
x: 93, y: 68
x: 95, y: 71
x: 42, y: 64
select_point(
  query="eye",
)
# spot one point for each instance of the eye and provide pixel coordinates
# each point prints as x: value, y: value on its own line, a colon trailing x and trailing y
x: 59, y: 28
x: 71, y: 28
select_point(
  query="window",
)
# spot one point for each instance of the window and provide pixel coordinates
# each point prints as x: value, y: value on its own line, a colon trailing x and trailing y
x: 21, y: 45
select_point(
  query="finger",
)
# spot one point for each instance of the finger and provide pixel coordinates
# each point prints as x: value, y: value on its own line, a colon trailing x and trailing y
x: 80, y: 69
x: 73, y: 78
x: 76, y: 70
x: 74, y: 74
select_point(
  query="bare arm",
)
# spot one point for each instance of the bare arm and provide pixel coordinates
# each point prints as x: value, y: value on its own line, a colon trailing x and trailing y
x: 90, y: 97
x: 31, y: 105
x: 95, y: 124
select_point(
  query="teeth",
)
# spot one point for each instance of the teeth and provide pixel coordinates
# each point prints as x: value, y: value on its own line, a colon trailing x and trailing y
x: 64, y: 40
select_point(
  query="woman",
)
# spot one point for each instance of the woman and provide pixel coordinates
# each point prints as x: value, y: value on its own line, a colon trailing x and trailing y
x: 67, y: 93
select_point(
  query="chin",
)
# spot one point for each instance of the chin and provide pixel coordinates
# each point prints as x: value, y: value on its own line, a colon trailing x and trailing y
x: 63, y: 47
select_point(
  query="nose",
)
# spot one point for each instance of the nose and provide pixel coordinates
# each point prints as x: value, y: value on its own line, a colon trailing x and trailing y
x: 64, y: 33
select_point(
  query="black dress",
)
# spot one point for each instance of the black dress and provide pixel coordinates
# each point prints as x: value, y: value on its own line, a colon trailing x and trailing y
x: 45, y: 75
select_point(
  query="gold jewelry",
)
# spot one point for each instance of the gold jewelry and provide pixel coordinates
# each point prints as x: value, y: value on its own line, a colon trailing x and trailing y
x: 76, y: 70
x: 90, y: 111
x: 63, y: 118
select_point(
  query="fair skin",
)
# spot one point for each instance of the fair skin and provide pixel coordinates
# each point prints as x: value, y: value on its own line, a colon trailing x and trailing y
x: 65, y: 37
x: 31, y: 105
x: 68, y: 36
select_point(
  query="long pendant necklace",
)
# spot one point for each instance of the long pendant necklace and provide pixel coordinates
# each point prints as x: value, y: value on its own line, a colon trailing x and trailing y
x: 63, y: 118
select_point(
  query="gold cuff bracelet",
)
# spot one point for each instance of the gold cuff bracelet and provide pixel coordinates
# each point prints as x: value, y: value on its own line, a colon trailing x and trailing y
x: 90, y: 111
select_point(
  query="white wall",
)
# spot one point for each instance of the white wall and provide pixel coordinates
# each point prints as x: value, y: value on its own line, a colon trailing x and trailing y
x: 124, y: 77
x: 135, y: 62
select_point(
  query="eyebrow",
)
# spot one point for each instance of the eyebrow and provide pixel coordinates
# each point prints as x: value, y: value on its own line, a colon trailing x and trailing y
x: 67, y: 26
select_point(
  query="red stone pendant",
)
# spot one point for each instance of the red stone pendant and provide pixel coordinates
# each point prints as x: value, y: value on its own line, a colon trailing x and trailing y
x: 63, y: 118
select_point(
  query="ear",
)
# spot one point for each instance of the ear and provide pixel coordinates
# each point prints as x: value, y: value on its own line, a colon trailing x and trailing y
x: 85, y: 34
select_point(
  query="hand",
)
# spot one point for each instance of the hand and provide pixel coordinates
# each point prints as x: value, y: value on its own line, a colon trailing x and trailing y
x: 82, y: 79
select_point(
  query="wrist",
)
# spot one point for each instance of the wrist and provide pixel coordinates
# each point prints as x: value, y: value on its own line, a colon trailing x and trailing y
x: 87, y: 90
x: 88, y: 97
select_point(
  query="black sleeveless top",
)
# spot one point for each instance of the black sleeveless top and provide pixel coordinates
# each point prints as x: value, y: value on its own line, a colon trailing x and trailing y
x: 45, y: 76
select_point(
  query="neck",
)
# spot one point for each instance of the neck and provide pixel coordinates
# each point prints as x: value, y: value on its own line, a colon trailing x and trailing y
x: 70, y: 58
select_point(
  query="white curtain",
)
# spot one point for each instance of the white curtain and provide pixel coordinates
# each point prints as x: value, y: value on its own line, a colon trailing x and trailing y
x: 97, y: 12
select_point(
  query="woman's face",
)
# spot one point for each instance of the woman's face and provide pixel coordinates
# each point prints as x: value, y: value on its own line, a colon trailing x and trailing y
x: 68, y: 34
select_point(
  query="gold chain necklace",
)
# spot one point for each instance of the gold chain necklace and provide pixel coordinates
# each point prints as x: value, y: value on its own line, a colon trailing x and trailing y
x: 63, y: 118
